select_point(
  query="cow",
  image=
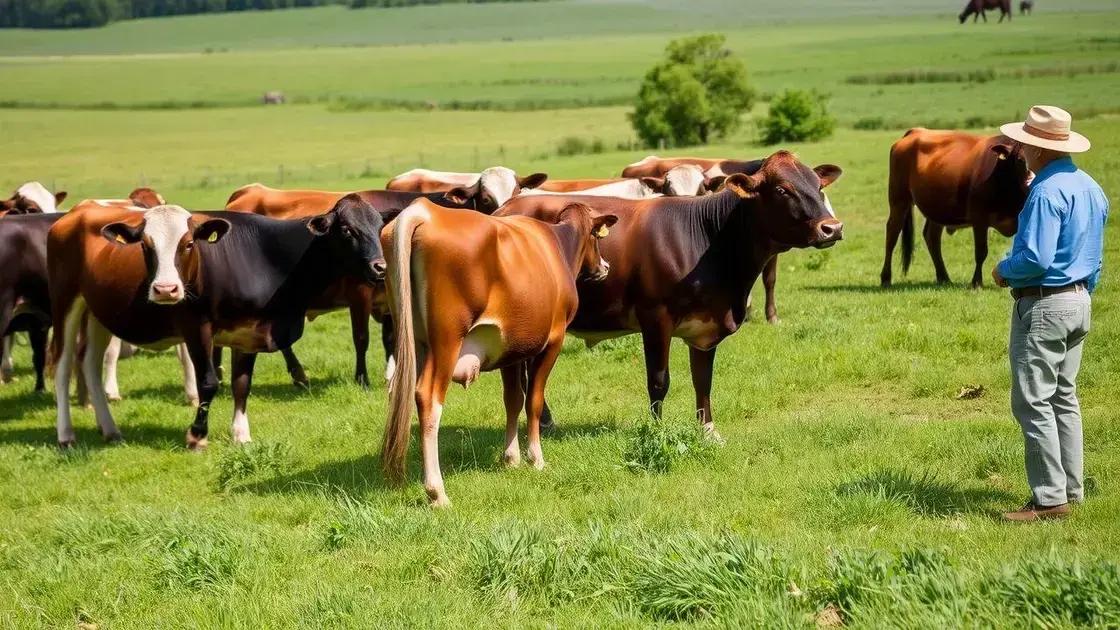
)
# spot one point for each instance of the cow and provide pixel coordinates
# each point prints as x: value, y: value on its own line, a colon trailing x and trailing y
x: 222, y: 278
x: 684, y: 266
x: 716, y: 171
x: 24, y: 299
x: 977, y: 9
x: 489, y: 189
x: 31, y: 198
x: 1025, y: 7
x: 957, y: 180
x: 685, y: 180
x: 362, y: 299
x: 625, y: 188
x: 473, y: 308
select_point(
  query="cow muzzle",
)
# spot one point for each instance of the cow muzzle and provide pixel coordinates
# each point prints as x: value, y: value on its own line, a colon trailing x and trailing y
x: 377, y: 269
x: 827, y: 233
x: 600, y: 274
x: 166, y: 293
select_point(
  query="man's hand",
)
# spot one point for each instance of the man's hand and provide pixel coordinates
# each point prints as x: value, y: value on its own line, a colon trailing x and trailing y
x: 997, y: 278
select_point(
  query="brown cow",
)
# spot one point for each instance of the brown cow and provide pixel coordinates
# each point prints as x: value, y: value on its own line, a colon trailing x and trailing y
x: 281, y: 204
x: 476, y: 310
x: 684, y: 266
x: 957, y: 180
x: 978, y: 8
x: 488, y: 189
x: 31, y: 198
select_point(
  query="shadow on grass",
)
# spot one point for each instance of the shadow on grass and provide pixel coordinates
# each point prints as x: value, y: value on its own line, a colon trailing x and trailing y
x: 924, y: 493
x: 140, y: 433
x: 19, y: 406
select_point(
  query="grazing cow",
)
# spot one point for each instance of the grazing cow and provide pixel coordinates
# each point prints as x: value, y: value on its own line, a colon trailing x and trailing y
x: 24, y: 300
x: 684, y: 267
x: 957, y: 180
x: 977, y: 9
x: 1025, y: 7
x: 475, y: 309
x: 204, y: 279
x: 362, y: 299
x: 488, y: 189
x: 31, y: 198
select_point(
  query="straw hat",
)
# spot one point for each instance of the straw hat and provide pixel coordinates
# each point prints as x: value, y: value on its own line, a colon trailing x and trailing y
x: 1047, y: 127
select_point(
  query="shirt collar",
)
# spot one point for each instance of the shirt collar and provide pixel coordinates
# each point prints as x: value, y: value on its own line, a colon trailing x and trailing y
x: 1055, y: 166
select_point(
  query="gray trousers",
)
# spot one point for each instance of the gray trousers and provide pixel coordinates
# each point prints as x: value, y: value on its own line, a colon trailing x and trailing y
x: 1047, y: 338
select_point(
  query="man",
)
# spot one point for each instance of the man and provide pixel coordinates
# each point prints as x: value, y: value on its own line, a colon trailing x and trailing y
x: 1054, y: 266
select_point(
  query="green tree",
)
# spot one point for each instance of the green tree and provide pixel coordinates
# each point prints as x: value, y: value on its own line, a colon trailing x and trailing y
x: 697, y: 92
x: 797, y: 116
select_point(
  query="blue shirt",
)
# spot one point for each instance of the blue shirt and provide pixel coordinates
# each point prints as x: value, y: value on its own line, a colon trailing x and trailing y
x: 1061, y: 230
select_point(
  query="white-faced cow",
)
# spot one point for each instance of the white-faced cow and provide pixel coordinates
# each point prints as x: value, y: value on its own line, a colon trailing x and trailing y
x: 485, y: 191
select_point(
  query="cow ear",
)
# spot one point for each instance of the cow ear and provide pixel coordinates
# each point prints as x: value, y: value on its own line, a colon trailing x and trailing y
x: 58, y: 197
x: 600, y: 225
x: 122, y: 233
x: 320, y: 225
x: 212, y: 231
x: 459, y: 195
x: 1002, y: 151
x: 746, y: 186
x: 656, y: 184
x: 532, y: 181
x: 828, y: 173
x: 715, y: 183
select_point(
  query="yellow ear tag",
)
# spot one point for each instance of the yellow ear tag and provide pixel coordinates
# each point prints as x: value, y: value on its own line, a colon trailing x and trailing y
x: 1002, y: 156
x: 602, y: 232
x: 120, y: 239
x: 213, y: 238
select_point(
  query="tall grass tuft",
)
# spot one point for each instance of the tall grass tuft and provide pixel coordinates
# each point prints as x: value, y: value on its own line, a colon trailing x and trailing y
x: 246, y: 461
x: 1051, y: 591
x: 656, y: 445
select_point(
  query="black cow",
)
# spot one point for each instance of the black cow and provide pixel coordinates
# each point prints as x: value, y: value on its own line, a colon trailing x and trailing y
x: 205, y: 279
x: 25, y: 303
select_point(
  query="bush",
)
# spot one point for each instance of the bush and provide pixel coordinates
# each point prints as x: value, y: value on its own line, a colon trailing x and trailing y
x: 697, y: 92
x: 872, y: 123
x: 797, y: 116
x: 574, y: 145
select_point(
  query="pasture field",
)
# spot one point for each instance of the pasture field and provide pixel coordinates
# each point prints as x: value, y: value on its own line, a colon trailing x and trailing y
x: 852, y: 479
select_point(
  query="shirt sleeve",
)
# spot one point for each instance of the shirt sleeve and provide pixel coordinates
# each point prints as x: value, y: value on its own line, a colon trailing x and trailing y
x: 1036, y: 242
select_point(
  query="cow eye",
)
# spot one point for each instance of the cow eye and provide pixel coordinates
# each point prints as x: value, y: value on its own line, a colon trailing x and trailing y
x: 347, y: 231
x: 782, y: 191
x: 189, y: 246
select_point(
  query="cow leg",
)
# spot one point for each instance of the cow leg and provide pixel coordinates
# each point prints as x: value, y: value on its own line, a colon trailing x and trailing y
x: 97, y: 340
x: 932, y: 234
x: 769, y: 279
x: 38, y: 336
x: 359, y: 330
x: 513, y: 395
x: 546, y: 412
x: 539, y: 369
x: 388, y: 343
x: 241, y: 382
x: 980, y: 245
x: 64, y: 366
x: 199, y: 348
x: 701, y: 363
x: 6, y: 366
x: 112, y: 356
x: 435, y: 377
x: 295, y: 369
x: 901, y: 206
x: 190, y: 379
x: 656, y: 336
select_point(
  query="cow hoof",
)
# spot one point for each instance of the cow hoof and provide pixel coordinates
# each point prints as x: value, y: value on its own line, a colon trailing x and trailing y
x: 113, y: 397
x: 773, y: 319
x: 114, y: 438
x: 5, y: 377
x: 65, y: 445
x: 196, y: 443
x: 712, y: 436
x: 193, y: 402
x: 438, y: 499
x: 299, y: 379
x: 511, y: 460
x: 362, y: 380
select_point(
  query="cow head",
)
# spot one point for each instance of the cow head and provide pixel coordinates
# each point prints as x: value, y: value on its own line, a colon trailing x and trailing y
x: 589, y: 228
x: 494, y: 186
x: 1005, y: 181
x: 789, y: 201
x: 32, y: 198
x: 170, y: 237
x: 352, y: 229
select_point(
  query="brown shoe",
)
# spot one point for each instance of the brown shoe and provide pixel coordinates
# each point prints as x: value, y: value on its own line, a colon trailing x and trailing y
x: 1031, y: 512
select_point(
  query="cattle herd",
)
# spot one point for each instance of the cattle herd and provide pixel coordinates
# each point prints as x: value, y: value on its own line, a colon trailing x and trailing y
x: 466, y: 272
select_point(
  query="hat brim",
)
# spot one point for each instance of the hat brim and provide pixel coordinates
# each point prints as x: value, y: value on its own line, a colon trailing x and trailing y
x: 1076, y: 143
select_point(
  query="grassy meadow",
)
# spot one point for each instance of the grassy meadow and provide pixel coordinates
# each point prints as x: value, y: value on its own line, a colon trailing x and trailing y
x: 854, y: 485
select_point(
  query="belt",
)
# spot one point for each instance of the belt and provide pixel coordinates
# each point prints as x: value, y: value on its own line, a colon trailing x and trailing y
x: 1041, y: 292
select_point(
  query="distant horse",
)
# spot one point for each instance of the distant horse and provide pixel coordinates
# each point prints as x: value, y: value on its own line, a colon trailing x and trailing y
x: 1025, y: 7
x: 977, y: 8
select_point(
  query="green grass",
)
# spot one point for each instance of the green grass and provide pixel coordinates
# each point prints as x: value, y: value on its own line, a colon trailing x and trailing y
x: 853, y: 483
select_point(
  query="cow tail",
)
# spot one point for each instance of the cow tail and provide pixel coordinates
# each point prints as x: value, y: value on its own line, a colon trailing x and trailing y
x: 402, y: 388
x: 907, y: 239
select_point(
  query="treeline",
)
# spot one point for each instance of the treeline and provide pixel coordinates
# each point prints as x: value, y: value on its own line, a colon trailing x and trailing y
x: 89, y: 13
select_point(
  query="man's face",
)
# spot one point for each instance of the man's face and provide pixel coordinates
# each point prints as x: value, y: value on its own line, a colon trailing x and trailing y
x: 1033, y: 156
